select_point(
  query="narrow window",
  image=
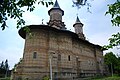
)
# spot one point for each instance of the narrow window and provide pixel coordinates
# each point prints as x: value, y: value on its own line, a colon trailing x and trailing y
x: 34, y: 55
x: 69, y: 58
x: 59, y: 57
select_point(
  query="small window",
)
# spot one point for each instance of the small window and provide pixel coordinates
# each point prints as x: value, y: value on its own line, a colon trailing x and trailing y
x: 34, y: 55
x: 69, y: 58
x: 59, y: 57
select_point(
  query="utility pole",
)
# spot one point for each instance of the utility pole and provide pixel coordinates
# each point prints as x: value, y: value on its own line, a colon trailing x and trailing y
x: 50, y: 60
x: 77, y: 66
x: 50, y: 66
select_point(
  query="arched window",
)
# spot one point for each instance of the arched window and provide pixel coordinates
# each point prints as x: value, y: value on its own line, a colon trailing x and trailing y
x: 68, y: 57
x: 34, y: 55
x: 59, y: 57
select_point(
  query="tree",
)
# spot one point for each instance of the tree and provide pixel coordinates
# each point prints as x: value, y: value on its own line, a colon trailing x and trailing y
x: 113, y: 41
x: 80, y: 3
x: 6, y: 68
x: 118, y: 65
x: 112, y: 61
x: 13, y: 9
x: 2, y: 65
x: 2, y: 69
x: 6, y: 65
x: 114, y: 11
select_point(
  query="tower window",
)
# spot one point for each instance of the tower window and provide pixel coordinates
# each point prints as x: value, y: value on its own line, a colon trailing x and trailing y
x: 34, y: 55
x: 69, y: 58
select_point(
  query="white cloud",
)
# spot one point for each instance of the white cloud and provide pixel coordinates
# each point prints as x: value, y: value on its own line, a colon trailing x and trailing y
x: 32, y: 18
x: 13, y: 54
x: 11, y: 44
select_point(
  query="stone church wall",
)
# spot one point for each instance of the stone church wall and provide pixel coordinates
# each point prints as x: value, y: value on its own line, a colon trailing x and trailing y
x: 70, y: 56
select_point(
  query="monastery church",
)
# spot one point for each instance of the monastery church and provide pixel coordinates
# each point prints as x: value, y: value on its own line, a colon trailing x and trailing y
x: 57, y: 53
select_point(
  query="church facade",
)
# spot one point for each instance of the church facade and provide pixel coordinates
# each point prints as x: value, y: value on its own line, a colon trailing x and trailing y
x: 58, y: 53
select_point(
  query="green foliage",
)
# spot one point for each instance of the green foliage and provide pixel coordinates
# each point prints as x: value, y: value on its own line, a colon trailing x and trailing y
x: 5, y: 78
x: 80, y: 3
x: 4, y: 68
x: 45, y: 78
x: 13, y: 9
x: 114, y: 11
x: 2, y: 65
x: 6, y: 65
x: 111, y: 60
x: 108, y: 78
x: 113, y: 41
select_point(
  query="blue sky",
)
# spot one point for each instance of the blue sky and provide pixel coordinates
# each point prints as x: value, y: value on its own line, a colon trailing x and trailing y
x: 97, y: 27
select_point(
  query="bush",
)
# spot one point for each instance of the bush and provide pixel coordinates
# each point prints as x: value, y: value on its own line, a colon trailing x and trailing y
x: 45, y: 78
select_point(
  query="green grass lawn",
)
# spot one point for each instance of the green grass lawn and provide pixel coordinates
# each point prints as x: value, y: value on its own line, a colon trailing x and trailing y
x: 105, y: 78
x: 108, y: 78
x: 4, y: 78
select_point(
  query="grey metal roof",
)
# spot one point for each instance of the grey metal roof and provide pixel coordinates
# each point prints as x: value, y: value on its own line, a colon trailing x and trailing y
x: 78, y: 20
x: 56, y: 5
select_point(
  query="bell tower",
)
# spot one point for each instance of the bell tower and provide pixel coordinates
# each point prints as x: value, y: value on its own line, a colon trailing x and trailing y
x: 78, y: 26
x: 56, y: 14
